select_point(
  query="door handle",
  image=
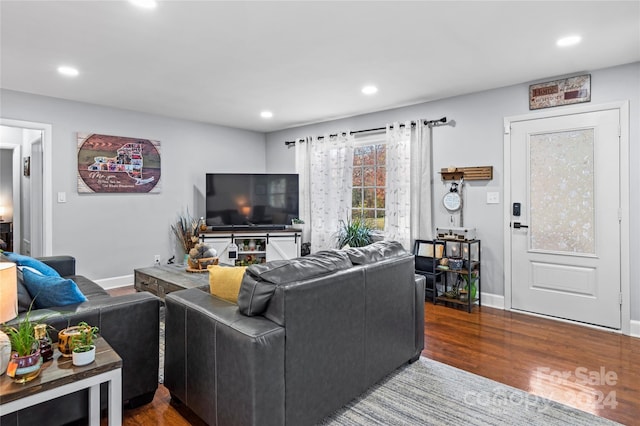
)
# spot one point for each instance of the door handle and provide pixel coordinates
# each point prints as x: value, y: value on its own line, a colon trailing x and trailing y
x: 517, y: 225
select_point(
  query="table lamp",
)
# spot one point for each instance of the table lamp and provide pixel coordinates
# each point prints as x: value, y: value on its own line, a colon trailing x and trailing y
x: 1, y: 212
x: 8, y: 307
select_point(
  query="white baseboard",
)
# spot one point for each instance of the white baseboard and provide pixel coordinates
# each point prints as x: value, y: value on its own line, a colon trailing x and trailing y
x: 115, y: 282
x: 635, y: 328
x: 492, y: 300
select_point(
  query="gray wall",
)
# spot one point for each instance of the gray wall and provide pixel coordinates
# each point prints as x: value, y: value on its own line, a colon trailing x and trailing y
x: 112, y: 234
x: 477, y: 140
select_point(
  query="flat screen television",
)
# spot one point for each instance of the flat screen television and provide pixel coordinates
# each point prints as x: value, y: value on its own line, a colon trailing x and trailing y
x: 250, y: 200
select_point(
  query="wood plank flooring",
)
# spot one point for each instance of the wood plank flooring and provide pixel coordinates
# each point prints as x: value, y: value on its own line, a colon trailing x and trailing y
x: 593, y: 370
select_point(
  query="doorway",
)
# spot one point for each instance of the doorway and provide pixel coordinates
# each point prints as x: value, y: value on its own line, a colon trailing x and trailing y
x: 32, y: 196
x: 564, y: 237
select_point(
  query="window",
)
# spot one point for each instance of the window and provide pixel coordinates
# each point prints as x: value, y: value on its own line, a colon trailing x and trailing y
x: 369, y: 183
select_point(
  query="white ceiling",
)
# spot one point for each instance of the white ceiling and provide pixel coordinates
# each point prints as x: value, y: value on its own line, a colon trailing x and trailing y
x: 224, y: 62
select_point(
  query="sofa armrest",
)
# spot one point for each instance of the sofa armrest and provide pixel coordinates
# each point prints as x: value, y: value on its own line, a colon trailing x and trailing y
x: 129, y: 323
x: 65, y: 265
x: 228, y: 368
x: 420, y: 281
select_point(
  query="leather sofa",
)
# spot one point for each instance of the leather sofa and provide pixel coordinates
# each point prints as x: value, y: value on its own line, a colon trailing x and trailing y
x: 129, y: 323
x: 307, y: 336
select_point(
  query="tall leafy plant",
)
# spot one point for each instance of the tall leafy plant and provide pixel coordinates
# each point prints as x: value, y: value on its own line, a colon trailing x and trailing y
x: 22, y: 336
x: 354, y: 233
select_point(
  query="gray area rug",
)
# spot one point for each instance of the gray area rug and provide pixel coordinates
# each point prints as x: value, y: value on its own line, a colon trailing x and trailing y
x: 428, y: 392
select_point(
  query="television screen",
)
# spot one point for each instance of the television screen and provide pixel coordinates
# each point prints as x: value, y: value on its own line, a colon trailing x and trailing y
x: 251, y: 200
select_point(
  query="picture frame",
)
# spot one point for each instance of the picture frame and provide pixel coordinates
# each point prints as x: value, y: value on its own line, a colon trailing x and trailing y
x: 26, y: 168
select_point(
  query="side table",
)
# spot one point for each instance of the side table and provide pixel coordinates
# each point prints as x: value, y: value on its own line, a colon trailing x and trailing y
x: 60, y: 377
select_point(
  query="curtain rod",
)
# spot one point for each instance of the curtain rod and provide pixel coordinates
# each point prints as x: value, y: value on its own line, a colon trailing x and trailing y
x: 430, y: 123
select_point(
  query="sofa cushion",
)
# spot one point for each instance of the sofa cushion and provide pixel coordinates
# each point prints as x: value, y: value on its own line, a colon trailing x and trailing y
x: 225, y: 281
x: 22, y: 260
x: 24, y: 298
x: 50, y: 291
x: 260, y: 281
x: 375, y: 252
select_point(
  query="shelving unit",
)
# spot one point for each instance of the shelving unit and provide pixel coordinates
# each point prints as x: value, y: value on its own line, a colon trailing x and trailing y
x: 428, y: 257
x: 254, y: 247
x: 458, y: 283
x: 251, y: 251
x: 468, y: 173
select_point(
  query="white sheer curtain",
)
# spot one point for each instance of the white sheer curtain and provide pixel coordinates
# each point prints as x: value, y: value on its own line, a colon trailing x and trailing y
x: 304, y: 173
x: 397, y: 221
x: 421, y: 183
x: 408, y: 197
x: 330, y: 165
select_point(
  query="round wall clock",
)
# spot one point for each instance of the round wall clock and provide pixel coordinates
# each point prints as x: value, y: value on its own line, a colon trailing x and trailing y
x: 452, y: 200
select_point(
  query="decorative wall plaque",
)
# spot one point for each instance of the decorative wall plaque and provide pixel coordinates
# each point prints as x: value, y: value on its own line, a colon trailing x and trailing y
x: 567, y: 91
x: 114, y: 164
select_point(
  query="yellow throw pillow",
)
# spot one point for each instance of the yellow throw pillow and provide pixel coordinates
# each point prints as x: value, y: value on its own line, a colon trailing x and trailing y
x: 224, y: 281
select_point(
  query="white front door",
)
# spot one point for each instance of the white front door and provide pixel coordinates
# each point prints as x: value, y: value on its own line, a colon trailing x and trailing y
x: 565, y: 242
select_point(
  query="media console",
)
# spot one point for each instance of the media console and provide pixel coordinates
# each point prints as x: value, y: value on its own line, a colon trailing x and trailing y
x: 246, y: 247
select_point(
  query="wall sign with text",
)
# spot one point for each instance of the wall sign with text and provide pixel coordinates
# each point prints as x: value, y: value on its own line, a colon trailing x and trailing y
x: 567, y: 91
x: 115, y: 164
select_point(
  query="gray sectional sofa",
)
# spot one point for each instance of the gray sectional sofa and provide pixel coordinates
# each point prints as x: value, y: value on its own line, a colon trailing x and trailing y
x: 129, y: 323
x: 307, y: 336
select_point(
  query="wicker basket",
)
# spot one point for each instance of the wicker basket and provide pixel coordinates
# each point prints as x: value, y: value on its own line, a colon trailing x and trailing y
x: 200, y: 265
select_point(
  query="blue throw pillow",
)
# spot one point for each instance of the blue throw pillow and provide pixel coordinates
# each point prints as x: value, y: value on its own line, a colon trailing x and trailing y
x: 49, y: 292
x: 22, y: 260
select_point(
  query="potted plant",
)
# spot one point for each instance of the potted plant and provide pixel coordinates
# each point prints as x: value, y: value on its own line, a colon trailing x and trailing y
x: 84, y: 349
x: 296, y: 223
x: 25, y: 361
x: 354, y: 233
x: 471, y: 284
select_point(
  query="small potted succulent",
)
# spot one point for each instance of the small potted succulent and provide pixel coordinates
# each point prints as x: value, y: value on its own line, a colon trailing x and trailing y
x: 296, y: 223
x: 84, y: 348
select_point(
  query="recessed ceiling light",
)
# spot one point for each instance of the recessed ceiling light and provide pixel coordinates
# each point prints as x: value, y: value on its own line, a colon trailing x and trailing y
x: 146, y: 4
x: 568, y: 41
x: 68, y: 71
x: 266, y: 114
x: 369, y: 90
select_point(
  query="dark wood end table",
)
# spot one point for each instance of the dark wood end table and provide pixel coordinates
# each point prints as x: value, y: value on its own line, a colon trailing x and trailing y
x: 60, y: 377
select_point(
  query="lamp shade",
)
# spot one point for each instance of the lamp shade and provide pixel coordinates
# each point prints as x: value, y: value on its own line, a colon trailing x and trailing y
x: 8, y: 291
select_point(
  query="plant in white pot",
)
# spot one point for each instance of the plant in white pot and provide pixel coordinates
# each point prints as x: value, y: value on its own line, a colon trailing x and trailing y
x: 297, y: 224
x: 84, y: 348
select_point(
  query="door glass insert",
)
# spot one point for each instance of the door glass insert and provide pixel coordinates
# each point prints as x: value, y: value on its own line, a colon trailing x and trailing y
x: 561, y: 191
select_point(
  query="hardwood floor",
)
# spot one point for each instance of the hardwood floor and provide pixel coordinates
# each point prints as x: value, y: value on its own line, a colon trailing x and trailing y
x: 593, y: 370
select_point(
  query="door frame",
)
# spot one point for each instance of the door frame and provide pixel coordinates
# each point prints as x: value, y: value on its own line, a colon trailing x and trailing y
x: 47, y: 177
x: 625, y: 239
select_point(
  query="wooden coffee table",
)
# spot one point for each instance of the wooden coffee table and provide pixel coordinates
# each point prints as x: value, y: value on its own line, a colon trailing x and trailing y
x: 60, y: 377
x: 163, y: 279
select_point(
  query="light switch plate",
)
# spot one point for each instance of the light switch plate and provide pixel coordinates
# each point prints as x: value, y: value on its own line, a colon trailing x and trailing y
x: 62, y: 197
x: 493, y: 198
